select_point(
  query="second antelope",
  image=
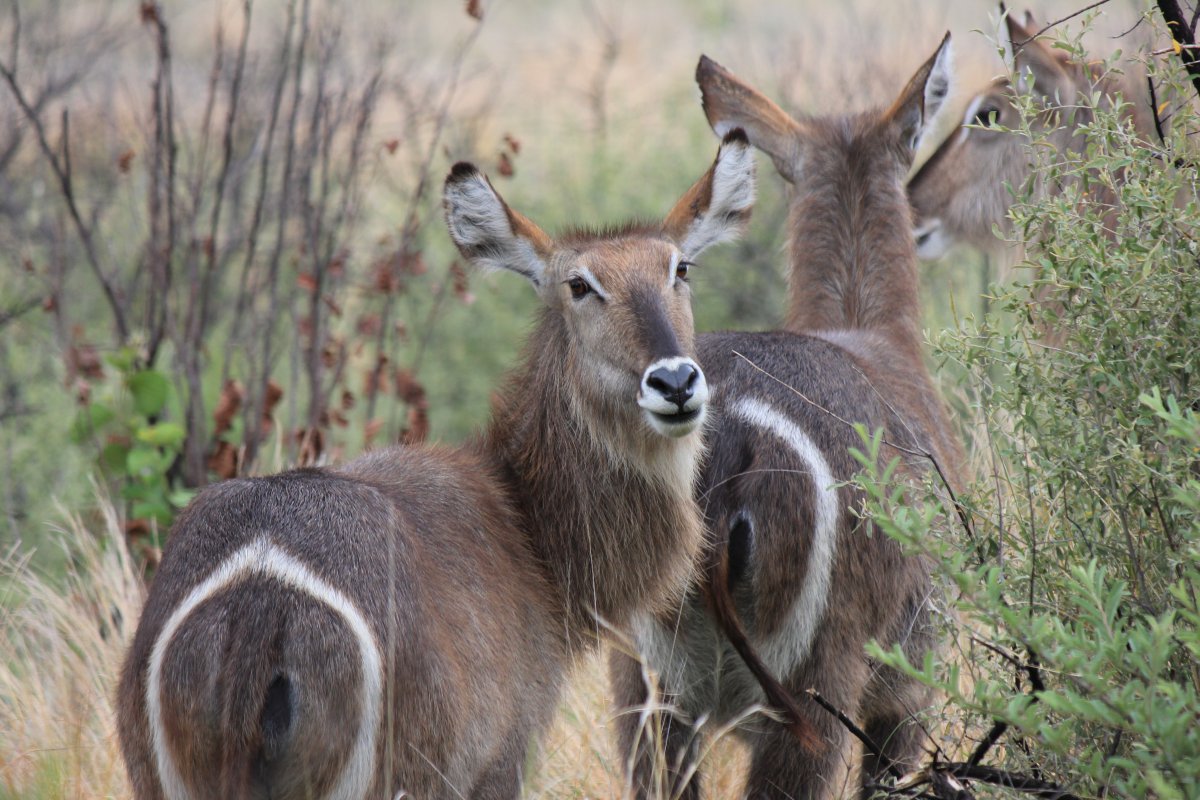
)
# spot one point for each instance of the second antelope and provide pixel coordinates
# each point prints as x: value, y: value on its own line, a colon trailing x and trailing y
x: 966, y: 186
x: 400, y: 626
x: 811, y: 580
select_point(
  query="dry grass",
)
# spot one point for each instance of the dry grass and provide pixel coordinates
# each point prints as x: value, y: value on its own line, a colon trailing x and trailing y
x: 60, y: 653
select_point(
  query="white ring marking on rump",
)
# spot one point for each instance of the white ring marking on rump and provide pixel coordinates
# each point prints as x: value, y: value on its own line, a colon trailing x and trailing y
x: 784, y: 651
x: 261, y: 558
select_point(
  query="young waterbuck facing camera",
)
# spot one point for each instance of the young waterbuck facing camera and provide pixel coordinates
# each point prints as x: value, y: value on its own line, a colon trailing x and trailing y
x: 809, y: 578
x: 400, y: 626
x: 965, y: 187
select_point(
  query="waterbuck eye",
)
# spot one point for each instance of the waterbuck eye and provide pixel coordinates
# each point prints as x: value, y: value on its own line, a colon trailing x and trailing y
x: 988, y: 117
x: 681, y: 270
x: 579, y: 287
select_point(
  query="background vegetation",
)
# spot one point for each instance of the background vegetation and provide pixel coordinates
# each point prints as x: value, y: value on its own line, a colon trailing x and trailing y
x: 221, y: 252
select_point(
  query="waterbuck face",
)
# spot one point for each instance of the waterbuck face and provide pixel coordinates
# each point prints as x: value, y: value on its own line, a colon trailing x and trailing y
x: 622, y: 295
x: 966, y: 186
x: 797, y: 146
x: 961, y: 190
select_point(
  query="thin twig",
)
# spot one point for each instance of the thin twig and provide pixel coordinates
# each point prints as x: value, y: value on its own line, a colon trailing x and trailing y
x: 256, y: 216
x: 411, y: 222
x: 857, y: 733
x: 1158, y: 128
x: 18, y: 310
x: 1072, y: 15
x: 161, y: 247
x: 257, y: 403
x: 998, y: 729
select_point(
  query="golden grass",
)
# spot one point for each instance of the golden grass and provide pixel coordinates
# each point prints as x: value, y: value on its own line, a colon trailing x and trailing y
x: 60, y: 654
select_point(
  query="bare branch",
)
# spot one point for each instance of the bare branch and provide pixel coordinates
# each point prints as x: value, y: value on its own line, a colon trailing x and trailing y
x: 857, y: 732
x: 18, y: 310
x: 258, y: 388
x: 68, y: 194
x: 1057, y: 22
x: 411, y: 217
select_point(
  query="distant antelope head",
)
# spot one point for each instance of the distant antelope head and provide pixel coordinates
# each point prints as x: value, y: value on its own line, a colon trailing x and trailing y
x: 966, y: 186
x: 855, y: 268
x: 622, y: 295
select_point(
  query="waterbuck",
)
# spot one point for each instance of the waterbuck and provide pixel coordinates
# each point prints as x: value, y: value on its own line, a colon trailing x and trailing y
x: 965, y: 188
x: 400, y: 626
x: 807, y: 575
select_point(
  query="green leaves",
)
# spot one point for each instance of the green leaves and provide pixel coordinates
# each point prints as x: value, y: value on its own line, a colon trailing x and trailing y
x: 1085, y: 560
x: 135, y: 447
x: 164, y: 434
x: 150, y: 390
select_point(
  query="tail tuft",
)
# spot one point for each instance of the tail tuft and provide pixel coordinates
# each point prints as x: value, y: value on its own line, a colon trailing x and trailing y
x: 276, y: 720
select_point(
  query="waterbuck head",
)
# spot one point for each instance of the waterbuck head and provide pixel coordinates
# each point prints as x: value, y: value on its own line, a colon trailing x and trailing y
x: 852, y: 265
x: 618, y: 299
x: 966, y: 186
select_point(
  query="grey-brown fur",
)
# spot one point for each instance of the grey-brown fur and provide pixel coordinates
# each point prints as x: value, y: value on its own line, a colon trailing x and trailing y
x: 852, y: 353
x: 479, y: 570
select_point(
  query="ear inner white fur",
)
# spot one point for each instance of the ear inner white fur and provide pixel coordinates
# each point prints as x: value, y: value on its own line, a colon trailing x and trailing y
x: 480, y: 224
x: 732, y: 198
x: 937, y: 87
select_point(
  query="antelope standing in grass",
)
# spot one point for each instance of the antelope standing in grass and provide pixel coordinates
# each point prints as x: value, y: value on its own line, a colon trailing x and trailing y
x: 966, y: 186
x: 400, y: 626
x: 809, y: 578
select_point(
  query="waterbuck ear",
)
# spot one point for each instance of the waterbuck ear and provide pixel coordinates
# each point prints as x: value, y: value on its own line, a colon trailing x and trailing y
x: 731, y: 103
x: 924, y: 95
x: 717, y: 207
x: 487, y: 231
x: 1038, y: 68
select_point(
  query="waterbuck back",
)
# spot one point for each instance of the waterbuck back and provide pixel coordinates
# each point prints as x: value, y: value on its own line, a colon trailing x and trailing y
x: 400, y: 626
x: 809, y: 579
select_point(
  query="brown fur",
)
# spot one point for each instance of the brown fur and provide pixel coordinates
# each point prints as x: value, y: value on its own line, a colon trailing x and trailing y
x: 851, y: 353
x: 480, y: 571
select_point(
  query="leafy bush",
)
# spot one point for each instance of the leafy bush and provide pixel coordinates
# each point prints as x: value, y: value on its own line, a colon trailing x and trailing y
x: 1074, y: 570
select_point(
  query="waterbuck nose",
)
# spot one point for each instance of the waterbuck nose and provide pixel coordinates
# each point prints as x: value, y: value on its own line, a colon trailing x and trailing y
x: 676, y: 382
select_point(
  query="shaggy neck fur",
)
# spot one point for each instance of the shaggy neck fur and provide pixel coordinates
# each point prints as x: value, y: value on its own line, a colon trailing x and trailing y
x: 853, y: 257
x: 605, y: 501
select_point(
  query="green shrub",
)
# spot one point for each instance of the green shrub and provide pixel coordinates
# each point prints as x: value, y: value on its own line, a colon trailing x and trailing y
x: 1072, y: 577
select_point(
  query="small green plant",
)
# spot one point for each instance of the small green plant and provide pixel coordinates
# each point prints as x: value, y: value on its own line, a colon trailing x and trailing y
x: 136, y: 447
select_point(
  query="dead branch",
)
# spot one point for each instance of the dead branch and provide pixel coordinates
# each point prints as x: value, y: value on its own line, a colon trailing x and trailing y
x: 425, y: 169
x: 161, y: 246
x: 256, y: 217
x: 265, y: 334
x: 67, y: 190
x: 1058, y: 22
x: 857, y: 732
x: 1007, y: 780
